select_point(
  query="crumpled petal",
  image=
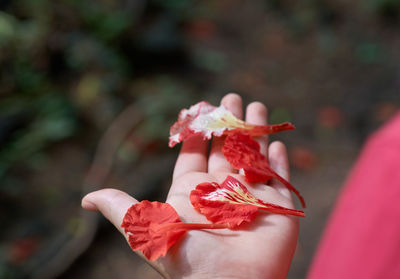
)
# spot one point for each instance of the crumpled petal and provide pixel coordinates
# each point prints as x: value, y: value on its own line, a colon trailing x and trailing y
x: 153, y: 227
x: 207, y: 120
x: 220, y: 209
x: 243, y: 152
x: 143, y: 222
x: 232, y: 203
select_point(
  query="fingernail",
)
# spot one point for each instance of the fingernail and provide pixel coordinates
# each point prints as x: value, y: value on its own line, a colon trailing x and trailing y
x: 88, y: 205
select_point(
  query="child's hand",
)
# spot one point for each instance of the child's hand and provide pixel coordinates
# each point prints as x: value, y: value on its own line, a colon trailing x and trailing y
x: 261, y: 249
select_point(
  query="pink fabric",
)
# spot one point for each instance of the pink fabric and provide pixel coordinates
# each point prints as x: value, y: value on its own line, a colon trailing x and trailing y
x: 362, y: 238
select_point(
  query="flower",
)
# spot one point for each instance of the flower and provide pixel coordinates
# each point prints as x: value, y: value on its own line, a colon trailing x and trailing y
x: 153, y: 227
x: 232, y: 203
x: 207, y: 120
x: 243, y: 152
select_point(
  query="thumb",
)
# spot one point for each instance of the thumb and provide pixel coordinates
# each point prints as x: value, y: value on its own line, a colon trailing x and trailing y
x: 112, y: 203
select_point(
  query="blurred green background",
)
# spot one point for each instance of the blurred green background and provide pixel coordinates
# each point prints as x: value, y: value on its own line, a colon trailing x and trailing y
x: 88, y: 90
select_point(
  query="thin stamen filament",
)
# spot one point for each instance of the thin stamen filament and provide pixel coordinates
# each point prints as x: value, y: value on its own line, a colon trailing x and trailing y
x: 286, y: 211
x: 260, y: 130
x: 192, y: 226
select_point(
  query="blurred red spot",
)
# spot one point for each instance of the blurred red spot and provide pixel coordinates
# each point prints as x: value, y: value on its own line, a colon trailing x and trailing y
x: 385, y: 111
x: 275, y: 42
x: 144, y: 145
x: 330, y: 117
x: 303, y: 158
x: 22, y: 249
x: 201, y: 29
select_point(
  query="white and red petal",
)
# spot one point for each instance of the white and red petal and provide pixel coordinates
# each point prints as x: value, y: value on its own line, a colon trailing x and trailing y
x: 232, y: 203
x: 183, y: 129
x: 207, y: 120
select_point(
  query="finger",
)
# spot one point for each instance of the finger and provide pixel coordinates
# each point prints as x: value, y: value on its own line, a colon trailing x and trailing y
x: 192, y: 157
x: 113, y: 204
x: 257, y: 113
x: 279, y: 162
x: 217, y: 161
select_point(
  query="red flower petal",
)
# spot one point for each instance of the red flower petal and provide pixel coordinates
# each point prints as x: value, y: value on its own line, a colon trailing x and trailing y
x: 220, y: 211
x: 232, y: 203
x: 153, y: 227
x: 207, y: 120
x: 330, y: 116
x: 142, y: 224
x: 243, y: 152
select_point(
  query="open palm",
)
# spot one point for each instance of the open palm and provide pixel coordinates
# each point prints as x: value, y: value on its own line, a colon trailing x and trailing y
x: 261, y: 249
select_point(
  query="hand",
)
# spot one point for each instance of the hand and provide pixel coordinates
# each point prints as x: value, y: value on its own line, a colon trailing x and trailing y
x: 261, y: 249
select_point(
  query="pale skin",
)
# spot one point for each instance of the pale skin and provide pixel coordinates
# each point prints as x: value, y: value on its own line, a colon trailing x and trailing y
x: 261, y: 249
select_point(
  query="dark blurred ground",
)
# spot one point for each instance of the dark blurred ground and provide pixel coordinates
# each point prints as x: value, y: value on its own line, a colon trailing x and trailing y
x: 69, y: 68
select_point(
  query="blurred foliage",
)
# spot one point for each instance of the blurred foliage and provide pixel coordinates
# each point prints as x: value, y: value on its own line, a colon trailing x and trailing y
x: 62, y: 58
x: 49, y: 118
x: 68, y: 68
